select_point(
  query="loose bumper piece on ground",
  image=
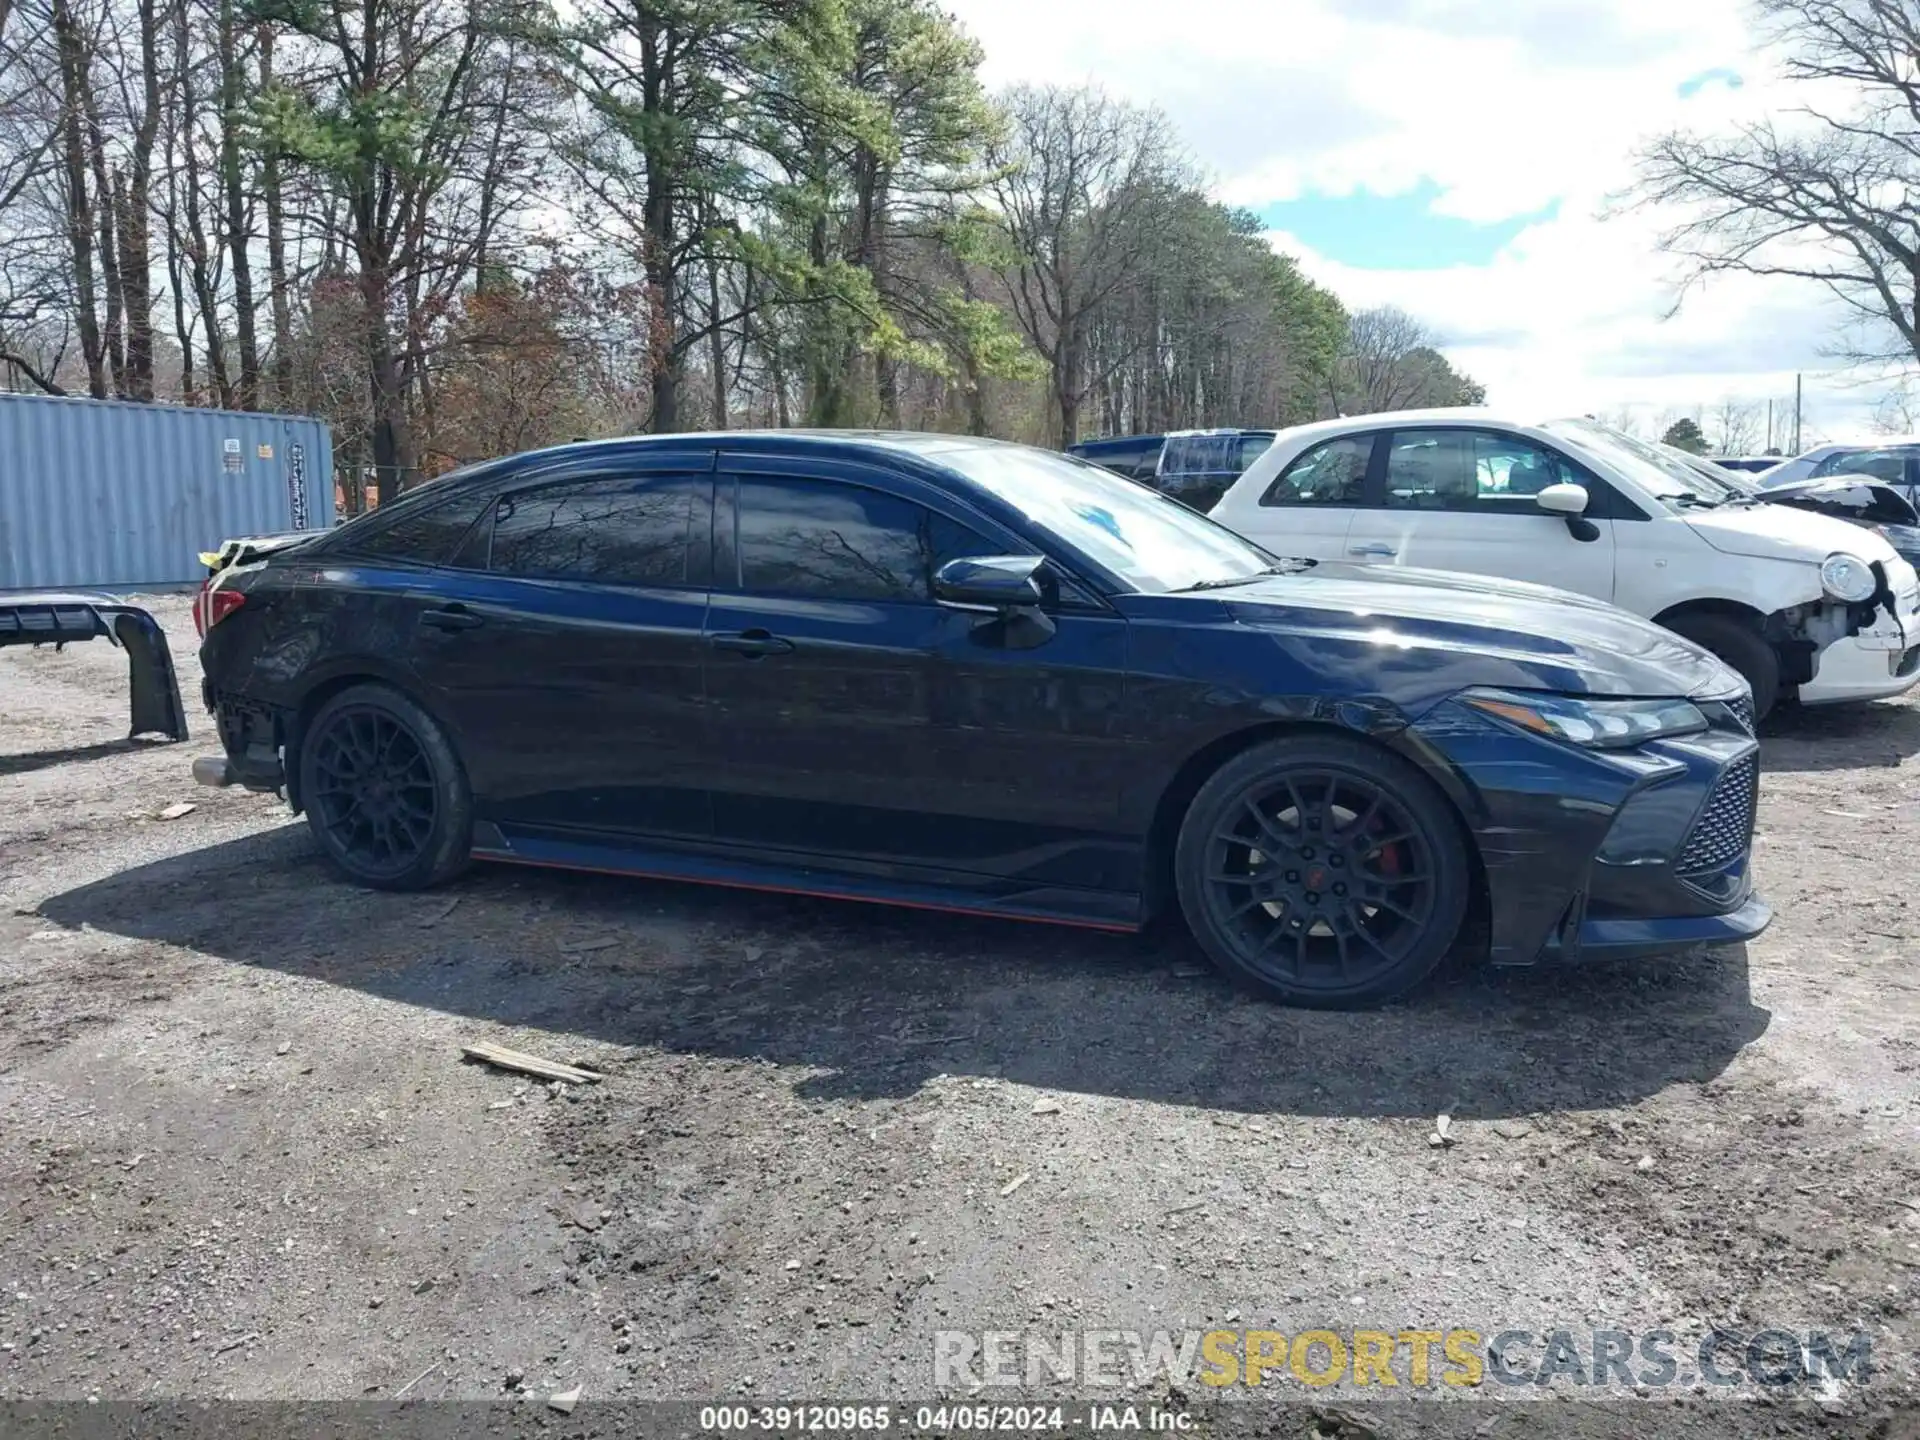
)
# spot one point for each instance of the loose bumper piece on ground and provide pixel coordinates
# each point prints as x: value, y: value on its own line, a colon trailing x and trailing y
x: 30, y: 618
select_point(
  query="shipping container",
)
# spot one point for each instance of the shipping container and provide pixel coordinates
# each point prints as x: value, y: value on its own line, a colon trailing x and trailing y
x: 108, y: 494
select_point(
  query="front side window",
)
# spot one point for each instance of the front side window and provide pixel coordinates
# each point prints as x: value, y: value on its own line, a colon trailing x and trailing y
x: 832, y: 541
x: 1332, y: 473
x: 1470, y: 470
x: 625, y: 531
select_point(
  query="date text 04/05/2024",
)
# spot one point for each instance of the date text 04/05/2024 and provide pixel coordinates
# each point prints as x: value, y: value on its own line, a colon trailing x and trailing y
x: 941, y: 1419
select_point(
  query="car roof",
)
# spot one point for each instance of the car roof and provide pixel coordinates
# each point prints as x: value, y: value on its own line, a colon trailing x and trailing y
x: 905, y: 442
x: 1388, y: 419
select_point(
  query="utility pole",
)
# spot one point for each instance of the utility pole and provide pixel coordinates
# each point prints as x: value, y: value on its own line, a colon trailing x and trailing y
x: 1796, y: 414
x: 1769, y: 449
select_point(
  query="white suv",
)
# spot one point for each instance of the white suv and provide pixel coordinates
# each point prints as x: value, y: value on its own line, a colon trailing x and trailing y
x: 1802, y: 605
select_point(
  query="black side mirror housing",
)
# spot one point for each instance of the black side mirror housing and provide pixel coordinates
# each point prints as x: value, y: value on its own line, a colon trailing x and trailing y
x: 995, y: 583
x: 1006, y: 590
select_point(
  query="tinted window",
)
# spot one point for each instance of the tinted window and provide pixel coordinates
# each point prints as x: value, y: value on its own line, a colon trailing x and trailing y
x: 1888, y: 465
x: 1252, y: 447
x: 1332, y: 473
x: 844, y: 542
x: 427, y: 534
x: 1470, y: 470
x: 626, y: 531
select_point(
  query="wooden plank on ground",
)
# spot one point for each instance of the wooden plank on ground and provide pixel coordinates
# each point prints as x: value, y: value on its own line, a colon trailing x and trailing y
x: 527, y: 1064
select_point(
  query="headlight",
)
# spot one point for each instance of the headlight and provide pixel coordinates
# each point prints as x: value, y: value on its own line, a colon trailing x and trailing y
x: 1848, y: 577
x: 1598, y: 724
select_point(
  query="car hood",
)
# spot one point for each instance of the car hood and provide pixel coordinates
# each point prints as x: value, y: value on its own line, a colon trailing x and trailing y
x: 1444, y: 631
x: 1781, y: 532
x: 1855, y: 498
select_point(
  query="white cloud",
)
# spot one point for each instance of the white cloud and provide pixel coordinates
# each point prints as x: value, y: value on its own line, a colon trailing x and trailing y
x: 1506, y: 105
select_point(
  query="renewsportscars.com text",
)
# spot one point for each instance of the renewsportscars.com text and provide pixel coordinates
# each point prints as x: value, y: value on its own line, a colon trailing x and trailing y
x: 1417, y: 1359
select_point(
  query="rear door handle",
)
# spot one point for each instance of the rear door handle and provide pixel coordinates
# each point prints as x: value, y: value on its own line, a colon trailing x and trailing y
x: 752, y: 643
x: 1385, y: 552
x: 453, y: 617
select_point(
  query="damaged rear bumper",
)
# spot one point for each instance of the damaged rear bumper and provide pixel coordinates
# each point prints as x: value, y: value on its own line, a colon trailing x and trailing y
x: 252, y: 735
x: 29, y: 618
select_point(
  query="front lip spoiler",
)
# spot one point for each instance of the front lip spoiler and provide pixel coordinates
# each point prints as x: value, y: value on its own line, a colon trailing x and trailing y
x: 1637, y: 938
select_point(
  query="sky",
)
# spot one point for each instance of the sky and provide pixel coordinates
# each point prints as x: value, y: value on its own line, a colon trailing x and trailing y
x: 1466, y: 160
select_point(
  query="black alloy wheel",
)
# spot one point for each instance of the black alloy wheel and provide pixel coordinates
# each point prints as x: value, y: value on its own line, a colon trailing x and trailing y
x: 384, y: 792
x: 1324, y: 870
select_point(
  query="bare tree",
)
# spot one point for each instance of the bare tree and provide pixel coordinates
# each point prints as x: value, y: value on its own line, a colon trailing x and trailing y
x: 1825, y: 196
x: 1735, y: 427
x: 1898, y: 410
x: 1392, y: 361
x: 1081, y: 179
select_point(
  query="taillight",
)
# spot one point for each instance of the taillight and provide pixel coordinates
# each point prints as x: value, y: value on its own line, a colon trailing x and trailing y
x: 214, y: 605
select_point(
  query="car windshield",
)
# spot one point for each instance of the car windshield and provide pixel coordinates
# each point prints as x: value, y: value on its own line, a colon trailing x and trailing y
x: 1669, y: 479
x: 1152, y: 543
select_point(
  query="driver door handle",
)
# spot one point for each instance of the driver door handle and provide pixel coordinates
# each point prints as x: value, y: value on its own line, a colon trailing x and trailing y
x: 1385, y: 552
x: 752, y: 643
x: 452, y: 617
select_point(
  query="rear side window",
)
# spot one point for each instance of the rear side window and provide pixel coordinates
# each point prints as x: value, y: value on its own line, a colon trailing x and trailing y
x: 844, y: 542
x: 426, y: 535
x: 1201, y: 455
x: 1887, y: 465
x: 624, y: 532
x: 1333, y: 472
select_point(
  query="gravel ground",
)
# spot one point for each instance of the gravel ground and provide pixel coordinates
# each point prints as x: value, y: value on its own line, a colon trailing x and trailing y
x: 241, y: 1157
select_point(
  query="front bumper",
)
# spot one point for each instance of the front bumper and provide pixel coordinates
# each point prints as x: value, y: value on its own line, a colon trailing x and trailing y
x: 1598, y: 854
x: 1879, y: 662
x: 1865, y: 667
x: 1637, y: 939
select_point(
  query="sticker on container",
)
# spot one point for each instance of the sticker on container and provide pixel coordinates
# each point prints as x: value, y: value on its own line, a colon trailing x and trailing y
x: 230, y: 458
x: 265, y: 452
x: 297, y: 483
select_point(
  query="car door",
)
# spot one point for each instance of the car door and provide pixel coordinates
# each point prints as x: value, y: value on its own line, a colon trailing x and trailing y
x: 860, y: 719
x: 1308, y: 508
x: 567, y: 651
x: 1454, y: 498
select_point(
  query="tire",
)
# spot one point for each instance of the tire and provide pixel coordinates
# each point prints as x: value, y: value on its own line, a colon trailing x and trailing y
x: 385, y: 794
x: 1741, y: 646
x: 1312, y: 924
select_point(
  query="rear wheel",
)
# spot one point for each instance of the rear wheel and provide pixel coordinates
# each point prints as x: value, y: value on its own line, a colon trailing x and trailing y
x: 1742, y: 646
x: 385, y: 794
x: 1323, y: 870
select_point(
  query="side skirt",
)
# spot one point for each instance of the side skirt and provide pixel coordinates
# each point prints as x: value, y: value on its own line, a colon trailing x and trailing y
x: 1086, y: 909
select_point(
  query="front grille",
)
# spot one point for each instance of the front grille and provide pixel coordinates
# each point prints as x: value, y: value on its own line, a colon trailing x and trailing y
x: 1724, y: 830
x: 1743, y: 713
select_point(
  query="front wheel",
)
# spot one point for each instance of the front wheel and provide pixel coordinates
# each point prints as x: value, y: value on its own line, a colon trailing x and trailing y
x: 1323, y: 870
x: 385, y: 794
x: 1742, y: 647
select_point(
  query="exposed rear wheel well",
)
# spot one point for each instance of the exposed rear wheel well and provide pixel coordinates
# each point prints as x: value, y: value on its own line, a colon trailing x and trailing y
x: 302, y: 717
x: 1164, y: 833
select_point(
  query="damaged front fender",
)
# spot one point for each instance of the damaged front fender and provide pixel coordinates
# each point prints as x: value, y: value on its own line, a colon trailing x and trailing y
x: 51, y: 619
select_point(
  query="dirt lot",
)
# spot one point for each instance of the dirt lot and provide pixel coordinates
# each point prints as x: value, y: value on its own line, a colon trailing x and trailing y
x: 239, y: 1154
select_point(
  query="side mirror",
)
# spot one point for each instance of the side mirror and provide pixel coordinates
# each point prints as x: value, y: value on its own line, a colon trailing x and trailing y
x: 993, y: 583
x: 1563, y: 499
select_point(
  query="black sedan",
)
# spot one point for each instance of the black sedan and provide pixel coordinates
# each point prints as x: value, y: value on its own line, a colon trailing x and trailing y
x: 950, y: 673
